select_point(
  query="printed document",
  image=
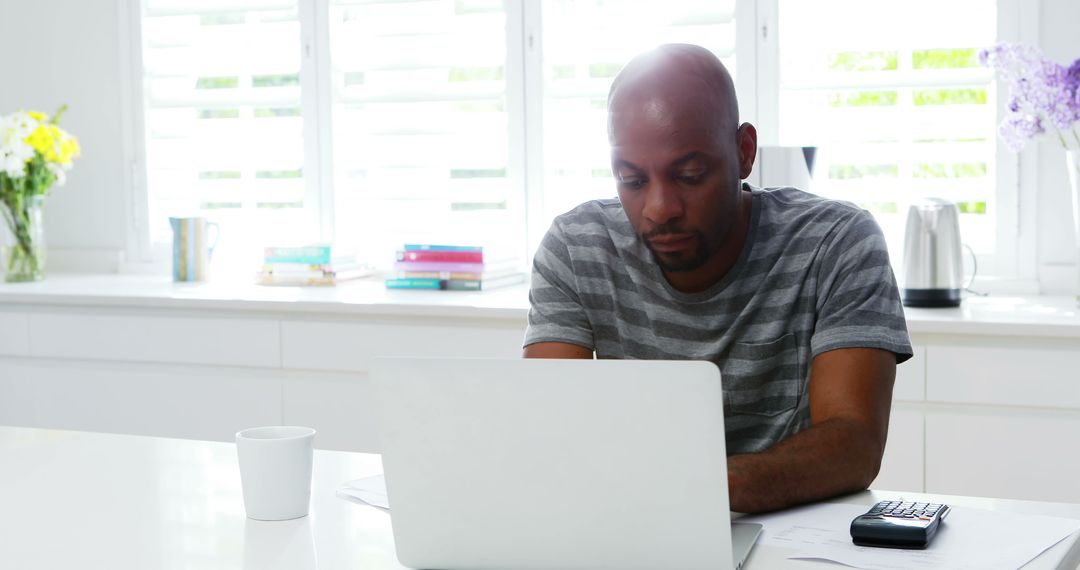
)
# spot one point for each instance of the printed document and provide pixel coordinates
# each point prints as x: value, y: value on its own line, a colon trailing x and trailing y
x: 967, y: 538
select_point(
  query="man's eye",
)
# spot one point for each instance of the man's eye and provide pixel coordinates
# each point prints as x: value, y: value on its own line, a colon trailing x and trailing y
x: 632, y: 183
x: 691, y: 178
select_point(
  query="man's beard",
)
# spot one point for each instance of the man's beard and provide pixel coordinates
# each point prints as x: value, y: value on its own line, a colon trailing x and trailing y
x: 685, y: 261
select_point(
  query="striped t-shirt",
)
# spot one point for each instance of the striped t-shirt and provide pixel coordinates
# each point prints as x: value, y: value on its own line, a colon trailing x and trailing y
x: 813, y: 276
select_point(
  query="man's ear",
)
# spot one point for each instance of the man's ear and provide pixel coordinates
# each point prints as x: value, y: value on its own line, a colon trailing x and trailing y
x: 746, y: 139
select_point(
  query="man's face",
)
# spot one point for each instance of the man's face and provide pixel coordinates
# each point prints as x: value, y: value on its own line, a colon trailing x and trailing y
x: 678, y: 177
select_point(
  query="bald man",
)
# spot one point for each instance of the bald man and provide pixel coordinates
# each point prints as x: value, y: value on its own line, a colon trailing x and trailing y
x: 790, y: 294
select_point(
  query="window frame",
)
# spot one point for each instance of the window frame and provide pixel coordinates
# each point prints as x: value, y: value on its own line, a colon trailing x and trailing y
x: 757, y: 62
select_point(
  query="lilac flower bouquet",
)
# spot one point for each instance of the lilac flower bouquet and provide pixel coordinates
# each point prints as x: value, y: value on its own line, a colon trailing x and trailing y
x: 1043, y: 95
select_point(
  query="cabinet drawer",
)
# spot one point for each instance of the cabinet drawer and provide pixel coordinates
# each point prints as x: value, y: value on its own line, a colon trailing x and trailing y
x: 1004, y: 375
x: 902, y: 465
x: 222, y: 341
x: 1007, y: 455
x: 143, y: 399
x: 338, y: 405
x: 349, y: 346
x: 14, y: 334
x: 911, y: 377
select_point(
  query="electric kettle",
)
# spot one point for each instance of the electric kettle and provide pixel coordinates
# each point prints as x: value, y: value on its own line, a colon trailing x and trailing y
x: 933, y: 266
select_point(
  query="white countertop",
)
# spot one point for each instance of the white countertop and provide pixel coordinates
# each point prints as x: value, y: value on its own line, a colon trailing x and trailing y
x: 120, y: 502
x: 996, y: 315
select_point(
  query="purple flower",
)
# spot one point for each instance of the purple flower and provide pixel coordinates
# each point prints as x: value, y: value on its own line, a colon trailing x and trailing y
x: 1017, y: 129
x: 1072, y: 76
x: 1041, y: 92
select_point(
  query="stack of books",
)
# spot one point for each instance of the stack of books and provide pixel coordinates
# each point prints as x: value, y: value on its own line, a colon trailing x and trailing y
x: 451, y: 268
x: 308, y: 265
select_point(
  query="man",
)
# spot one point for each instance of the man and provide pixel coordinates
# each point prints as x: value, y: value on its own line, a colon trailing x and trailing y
x: 791, y: 295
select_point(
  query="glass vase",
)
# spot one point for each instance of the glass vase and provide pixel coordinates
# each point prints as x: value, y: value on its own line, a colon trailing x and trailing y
x: 23, y: 249
x: 1072, y: 161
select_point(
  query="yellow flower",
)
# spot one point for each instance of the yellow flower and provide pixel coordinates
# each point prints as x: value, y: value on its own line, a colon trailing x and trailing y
x: 53, y: 144
x: 38, y: 116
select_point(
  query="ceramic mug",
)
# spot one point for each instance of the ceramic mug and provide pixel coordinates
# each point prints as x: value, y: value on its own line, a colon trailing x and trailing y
x: 275, y: 471
x: 192, y: 248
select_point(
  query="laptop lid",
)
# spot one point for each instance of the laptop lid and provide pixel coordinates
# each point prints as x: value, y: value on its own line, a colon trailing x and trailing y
x: 522, y: 464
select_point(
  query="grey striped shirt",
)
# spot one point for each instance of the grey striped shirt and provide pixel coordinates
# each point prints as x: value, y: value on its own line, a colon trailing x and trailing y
x: 813, y: 276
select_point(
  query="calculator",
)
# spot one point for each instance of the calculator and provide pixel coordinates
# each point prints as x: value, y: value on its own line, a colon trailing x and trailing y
x: 898, y: 524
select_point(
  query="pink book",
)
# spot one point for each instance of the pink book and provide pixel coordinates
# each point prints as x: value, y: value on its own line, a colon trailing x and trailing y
x: 454, y: 266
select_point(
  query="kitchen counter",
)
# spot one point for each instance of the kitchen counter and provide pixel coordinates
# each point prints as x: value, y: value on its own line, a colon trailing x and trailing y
x: 1046, y: 316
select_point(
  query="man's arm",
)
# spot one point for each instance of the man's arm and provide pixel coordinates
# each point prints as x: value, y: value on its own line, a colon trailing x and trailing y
x: 850, y: 399
x: 556, y: 350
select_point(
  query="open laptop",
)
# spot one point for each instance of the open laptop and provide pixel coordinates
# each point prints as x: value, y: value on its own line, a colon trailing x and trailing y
x: 520, y: 464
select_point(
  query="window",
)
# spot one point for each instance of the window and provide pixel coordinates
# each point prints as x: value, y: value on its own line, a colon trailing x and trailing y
x: 224, y: 121
x: 585, y: 44
x: 372, y: 123
x: 420, y: 126
x: 891, y: 94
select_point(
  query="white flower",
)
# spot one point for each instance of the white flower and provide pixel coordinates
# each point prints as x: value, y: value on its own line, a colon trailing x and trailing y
x: 14, y: 150
x: 58, y: 172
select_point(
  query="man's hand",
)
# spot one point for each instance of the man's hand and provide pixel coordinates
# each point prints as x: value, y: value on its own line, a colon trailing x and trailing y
x: 556, y: 350
x: 850, y: 399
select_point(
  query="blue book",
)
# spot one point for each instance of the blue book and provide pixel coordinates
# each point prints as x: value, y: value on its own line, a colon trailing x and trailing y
x: 428, y: 247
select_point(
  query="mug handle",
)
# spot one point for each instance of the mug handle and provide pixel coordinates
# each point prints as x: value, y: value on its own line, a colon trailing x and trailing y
x: 217, y: 235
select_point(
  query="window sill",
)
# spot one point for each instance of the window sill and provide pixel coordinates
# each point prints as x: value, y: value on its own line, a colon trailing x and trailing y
x: 1018, y: 316
x: 359, y: 297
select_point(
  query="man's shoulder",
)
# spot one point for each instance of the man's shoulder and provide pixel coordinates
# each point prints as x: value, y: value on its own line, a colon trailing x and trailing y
x: 789, y: 202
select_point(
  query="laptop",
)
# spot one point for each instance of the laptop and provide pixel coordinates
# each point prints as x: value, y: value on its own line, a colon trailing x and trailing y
x: 522, y: 464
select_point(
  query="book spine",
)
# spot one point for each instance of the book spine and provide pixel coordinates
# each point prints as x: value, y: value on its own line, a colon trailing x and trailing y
x: 295, y: 281
x: 304, y: 259
x: 284, y: 267
x: 414, y: 284
x: 435, y: 255
x: 461, y: 285
x: 304, y: 250
x: 429, y: 247
x: 449, y: 266
x: 464, y: 276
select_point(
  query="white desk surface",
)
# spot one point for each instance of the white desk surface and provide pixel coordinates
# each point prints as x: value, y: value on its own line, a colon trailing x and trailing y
x: 103, y: 501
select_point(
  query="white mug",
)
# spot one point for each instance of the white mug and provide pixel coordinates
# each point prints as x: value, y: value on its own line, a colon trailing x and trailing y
x: 275, y: 471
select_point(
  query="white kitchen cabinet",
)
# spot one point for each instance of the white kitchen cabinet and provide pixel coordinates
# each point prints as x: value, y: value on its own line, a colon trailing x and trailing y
x: 160, y: 400
x: 989, y: 404
x: 902, y: 465
x: 324, y: 345
x: 1013, y: 454
x: 911, y: 376
x: 102, y: 335
x: 338, y: 406
x: 14, y: 333
x: 1043, y: 373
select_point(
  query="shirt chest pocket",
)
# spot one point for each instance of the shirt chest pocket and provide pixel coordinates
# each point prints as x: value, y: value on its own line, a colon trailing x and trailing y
x: 763, y: 379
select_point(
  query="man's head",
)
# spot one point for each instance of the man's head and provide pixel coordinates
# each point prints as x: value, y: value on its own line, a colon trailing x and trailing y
x: 678, y: 152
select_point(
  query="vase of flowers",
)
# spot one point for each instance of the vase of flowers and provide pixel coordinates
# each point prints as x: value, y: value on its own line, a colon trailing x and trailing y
x: 35, y: 154
x: 1044, y: 96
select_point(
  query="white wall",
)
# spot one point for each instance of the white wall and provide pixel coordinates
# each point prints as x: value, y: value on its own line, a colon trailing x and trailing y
x: 68, y: 51
x: 1057, y: 245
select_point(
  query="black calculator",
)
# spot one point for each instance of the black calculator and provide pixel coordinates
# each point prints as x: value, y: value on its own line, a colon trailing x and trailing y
x: 898, y: 524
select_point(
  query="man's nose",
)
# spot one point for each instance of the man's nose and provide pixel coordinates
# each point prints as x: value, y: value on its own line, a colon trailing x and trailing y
x: 662, y: 203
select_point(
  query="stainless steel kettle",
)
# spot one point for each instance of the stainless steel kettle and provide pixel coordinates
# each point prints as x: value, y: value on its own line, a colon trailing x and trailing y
x: 933, y: 266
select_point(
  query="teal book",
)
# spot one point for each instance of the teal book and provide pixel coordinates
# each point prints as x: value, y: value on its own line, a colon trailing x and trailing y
x: 414, y: 283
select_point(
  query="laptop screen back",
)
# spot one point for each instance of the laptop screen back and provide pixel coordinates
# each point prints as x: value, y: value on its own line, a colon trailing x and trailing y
x: 522, y: 463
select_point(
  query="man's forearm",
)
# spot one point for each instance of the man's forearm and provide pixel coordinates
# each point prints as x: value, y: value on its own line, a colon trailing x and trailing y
x: 830, y: 458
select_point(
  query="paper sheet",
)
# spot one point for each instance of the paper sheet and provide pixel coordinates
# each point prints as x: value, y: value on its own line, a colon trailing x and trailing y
x: 369, y: 491
x: 968, y: 538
